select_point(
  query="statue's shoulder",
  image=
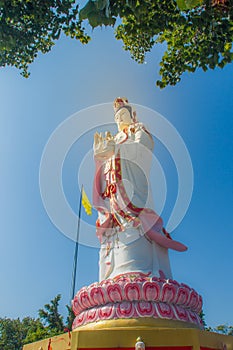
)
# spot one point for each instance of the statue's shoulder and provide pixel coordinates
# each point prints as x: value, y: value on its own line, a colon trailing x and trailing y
x: 143, y: 135
x: 139, y: 127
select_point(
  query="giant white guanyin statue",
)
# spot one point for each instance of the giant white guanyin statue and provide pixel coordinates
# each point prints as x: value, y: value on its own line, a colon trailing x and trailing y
x: 135, y: 281
x: 131, y: 234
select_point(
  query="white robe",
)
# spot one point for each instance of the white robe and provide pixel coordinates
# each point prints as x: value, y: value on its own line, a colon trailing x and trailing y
x: 126, y: 249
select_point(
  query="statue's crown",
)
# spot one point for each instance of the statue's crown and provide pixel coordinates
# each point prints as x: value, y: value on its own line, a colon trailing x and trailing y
x: 120, y: 102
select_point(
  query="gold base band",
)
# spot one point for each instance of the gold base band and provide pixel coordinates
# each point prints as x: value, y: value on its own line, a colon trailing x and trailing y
x: 141, y: 323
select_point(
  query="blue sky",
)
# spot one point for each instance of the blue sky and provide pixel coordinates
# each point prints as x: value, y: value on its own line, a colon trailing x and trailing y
x: 36, y: 259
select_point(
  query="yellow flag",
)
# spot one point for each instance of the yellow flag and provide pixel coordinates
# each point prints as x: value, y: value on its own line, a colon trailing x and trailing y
x: 86, y: 203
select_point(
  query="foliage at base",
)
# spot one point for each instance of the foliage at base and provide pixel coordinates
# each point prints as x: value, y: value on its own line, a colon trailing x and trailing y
x: 14, y: 333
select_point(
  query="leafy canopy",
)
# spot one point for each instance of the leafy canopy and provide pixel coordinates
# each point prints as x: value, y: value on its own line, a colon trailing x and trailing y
x: 195, y: 33
x: 31, y: 26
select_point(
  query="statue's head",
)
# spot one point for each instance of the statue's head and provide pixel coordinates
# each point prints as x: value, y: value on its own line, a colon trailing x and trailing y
x: 124, y: 114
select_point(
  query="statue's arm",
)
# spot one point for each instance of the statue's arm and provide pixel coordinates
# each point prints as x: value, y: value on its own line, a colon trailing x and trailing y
x: 143, y: 136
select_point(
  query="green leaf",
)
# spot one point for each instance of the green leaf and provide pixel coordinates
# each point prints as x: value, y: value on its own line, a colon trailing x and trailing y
x: 101, y: 4
x: 87, y: 10
x: 181, y: 4
x: 188, y: 4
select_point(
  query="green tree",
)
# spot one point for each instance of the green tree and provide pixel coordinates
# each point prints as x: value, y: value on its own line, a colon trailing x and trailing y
x: 222, y: 329
x: 70, y: 317
x: 202, y: 317
x: 35, y: 332
x: 197, y: 33
x: 50, y: 322
x: 10, y: 334
x: 31, y: 26
x: 13, y: 332
x: 51, y: 316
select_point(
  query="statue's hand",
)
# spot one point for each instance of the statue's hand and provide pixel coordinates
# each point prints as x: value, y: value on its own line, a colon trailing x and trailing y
x: 98, y: 141
x: 108, y: 136
x: 103, y: 147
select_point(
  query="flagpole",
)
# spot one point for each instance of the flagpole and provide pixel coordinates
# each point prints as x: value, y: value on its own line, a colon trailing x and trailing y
x: 76, y: 247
